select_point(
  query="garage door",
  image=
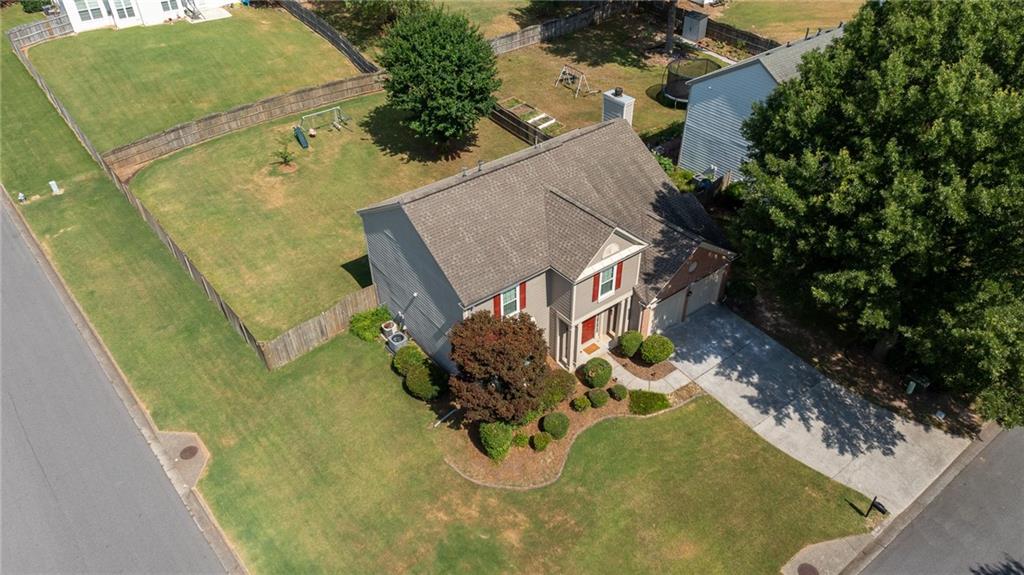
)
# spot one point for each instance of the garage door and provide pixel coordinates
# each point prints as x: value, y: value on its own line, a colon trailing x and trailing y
x: 669, y: 312
x: 704, y: 291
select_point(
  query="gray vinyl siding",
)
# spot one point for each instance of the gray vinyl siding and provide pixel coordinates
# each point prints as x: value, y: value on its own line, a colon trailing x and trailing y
x: 718, y: 106
x: 536, y: 301
x: 585, y: 306
x: 401, y: 266
x: 560, y: 294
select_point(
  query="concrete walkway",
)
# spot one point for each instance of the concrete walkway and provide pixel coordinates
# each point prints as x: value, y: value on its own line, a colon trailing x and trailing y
x: 667, y: 384
x: 801, y: 412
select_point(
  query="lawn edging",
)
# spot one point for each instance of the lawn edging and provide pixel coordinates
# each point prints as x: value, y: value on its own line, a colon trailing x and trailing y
x: 190, y: 496
x: 568, y: 442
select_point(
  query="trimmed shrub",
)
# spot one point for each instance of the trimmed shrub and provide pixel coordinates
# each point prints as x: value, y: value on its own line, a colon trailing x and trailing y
x: 598, y: 397
x: 366, y: 325
x: 520, y: 440
x: 407, y: 357
x: 557, y: 424
x: 425, y: 380
x: 596, y: 372
x: 540, y: 441
x: 557, y: 387
x: 530, y: 417
x: 647, y: 402
x: 618, y: 392
x: 656, y: 349
x: 31, y: 6
x: 581, y: 403
x: 496, y: 438
x: 629, y: 342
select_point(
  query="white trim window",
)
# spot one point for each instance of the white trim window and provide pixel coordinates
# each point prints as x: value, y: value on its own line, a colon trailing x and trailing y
x: 510, y: 301
x: 169, y: 5
x: 124, y: 9
x: 88, y: 10
x: 607, y: 284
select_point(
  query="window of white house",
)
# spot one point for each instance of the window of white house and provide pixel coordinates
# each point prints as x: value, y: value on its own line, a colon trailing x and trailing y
x: 607, y: 284
x: 510, y: 301
x: 88, y: 10
x: 124, y: 8
x: 169, y: 5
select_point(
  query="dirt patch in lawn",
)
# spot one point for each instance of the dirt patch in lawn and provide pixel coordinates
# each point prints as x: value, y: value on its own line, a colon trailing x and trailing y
x: 525, y: 468
x: 643, y: 370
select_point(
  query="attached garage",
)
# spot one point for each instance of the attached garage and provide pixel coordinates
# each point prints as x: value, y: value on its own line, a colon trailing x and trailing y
x: 686, y: 301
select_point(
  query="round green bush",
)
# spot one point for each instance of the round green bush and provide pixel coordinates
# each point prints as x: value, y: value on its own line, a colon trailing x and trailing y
x: 496, y: 438
x: 557, y: 387
x: 405, y: 358
x: 618, y: 392
x: 581, y: 403
x: 596, y: 372
x: 540, y: 441
x: 425, y: 380
x: 520, y: 440
x: 629, y: 342
x: 557, y: 424
x: 598, y: 397
x: 656, y: 349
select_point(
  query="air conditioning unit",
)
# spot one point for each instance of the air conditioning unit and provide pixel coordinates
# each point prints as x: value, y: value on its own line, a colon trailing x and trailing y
x: 397, y: 341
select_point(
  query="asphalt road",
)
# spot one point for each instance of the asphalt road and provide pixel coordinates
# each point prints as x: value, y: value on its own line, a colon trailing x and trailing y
x: 81, y: 489
x: 975, y: 526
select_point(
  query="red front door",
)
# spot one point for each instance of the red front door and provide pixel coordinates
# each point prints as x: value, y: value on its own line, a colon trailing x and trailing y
x: 588, y: 329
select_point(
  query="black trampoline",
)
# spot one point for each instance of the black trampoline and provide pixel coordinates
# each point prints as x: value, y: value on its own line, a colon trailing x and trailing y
x: 682, y: 70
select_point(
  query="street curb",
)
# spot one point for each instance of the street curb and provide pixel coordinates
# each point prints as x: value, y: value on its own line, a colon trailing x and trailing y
x: 888, y: 534
x: 193, y: 500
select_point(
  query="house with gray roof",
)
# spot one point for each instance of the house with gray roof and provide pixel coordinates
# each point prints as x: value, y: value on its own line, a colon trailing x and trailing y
x: 584, y: 232
x: 721, y: 101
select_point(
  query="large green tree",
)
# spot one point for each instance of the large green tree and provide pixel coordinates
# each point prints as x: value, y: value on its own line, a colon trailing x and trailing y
x: 441, y: 71
x: 887, y: 183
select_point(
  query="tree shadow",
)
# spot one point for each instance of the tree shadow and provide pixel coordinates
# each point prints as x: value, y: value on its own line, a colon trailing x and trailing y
x: 363, y: 35
x: 1008, y: 566
x: 385, y: 126
x: 621, y: 40
x: 540, y: 12
x: 359, y: 269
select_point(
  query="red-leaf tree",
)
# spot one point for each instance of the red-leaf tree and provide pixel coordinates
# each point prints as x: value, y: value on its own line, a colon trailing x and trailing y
x: 501, y: 364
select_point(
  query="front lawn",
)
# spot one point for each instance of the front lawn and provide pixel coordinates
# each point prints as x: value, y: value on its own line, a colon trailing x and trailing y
x: 327, y: 466
x: 282, y: 247
x: 121, y: 85
x: 611, y: 54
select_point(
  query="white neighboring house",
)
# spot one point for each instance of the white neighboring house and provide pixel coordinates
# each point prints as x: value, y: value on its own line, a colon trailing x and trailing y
x: 93, y: 14
x: 721, y: 101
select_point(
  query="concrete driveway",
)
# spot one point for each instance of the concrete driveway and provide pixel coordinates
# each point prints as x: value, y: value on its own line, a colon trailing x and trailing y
x: 800, y: 411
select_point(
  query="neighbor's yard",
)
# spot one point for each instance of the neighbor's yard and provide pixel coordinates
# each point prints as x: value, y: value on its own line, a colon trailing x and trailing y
x: 785, y: 20
x: 121, y: 85
x: 281, y: 248
x: 611, y: 54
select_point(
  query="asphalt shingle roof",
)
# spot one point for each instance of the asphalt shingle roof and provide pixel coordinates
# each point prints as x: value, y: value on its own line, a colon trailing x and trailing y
x: 553, y: 206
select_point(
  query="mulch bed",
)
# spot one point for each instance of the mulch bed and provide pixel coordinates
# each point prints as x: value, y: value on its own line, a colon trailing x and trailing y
x: 524, y: 468
x: 643, y: 370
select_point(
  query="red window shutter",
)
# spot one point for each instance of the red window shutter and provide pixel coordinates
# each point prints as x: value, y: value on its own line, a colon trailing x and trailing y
x: 597, y: 286
x: 497, y: 305
x: 618, y: 275
x: 522, y: 296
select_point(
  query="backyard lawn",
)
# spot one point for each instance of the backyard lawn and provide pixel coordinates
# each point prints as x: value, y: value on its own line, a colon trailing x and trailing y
x: 327, y: 466
x: 121, y: 85
x: 279, y: 247
x: 785, y: 20
x: 611, y: 54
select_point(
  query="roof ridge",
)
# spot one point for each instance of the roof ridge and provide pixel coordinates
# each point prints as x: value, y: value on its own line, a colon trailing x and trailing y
x: 582, y: 207
x: 491, y: 167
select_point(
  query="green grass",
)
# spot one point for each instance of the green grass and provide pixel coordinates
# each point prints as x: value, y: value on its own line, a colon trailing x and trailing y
x: 327, y: 466
x: 281, y: 248
x: 610, y: 55
x: 785, y: 20
x: 16, y: 17
x: 121, y: 85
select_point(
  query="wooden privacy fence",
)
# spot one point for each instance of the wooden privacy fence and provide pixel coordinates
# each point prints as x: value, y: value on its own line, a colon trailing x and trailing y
x: 317, y: 330
x: 37, y: 32
x: 128, y: 159
x: 515, y: 125
x: 741, y: 39
x: 321, y: 27
x: 537, y: 33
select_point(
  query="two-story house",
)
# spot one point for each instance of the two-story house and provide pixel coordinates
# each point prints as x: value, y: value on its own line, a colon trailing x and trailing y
x: 583, y: 232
